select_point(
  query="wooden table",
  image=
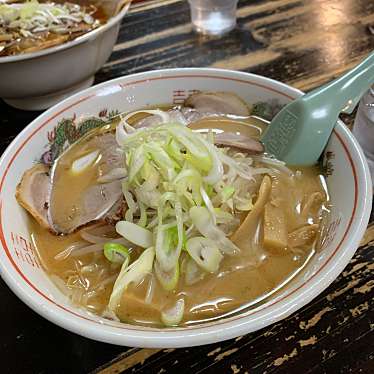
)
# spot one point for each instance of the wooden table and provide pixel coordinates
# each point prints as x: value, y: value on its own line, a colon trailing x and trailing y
x: 303, y: 43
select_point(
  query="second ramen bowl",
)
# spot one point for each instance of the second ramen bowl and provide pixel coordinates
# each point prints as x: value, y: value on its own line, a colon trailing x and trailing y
x: 38, y: 80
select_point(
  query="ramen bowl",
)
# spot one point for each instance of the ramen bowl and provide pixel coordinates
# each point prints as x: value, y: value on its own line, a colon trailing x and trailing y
x: 38, y: 80
x: 345, y: 168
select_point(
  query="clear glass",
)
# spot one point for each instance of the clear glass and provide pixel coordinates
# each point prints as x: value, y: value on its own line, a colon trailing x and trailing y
x: 213, y: 17
x: 363, y: 128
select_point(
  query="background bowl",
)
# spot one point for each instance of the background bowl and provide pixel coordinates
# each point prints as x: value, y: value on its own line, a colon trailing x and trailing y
x: 348, y: 180
x: 38, y: 80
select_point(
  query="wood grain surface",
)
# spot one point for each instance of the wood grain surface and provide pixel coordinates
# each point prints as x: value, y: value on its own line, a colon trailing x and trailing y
x: 300, y: 42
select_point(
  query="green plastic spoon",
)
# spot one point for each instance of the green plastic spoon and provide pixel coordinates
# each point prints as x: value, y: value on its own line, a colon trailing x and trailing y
x: 300, y: 131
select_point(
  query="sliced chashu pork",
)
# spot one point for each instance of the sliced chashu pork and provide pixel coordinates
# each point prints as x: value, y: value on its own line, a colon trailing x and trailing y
x: 96, y: 201
x: 218, y: 103
x: 32, y: 193
x: 89, y: 200
x: 208, y: 103
x: 205, y: 104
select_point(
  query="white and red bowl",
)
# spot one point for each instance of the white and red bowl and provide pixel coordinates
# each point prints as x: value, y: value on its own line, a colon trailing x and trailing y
x: 348, y: 182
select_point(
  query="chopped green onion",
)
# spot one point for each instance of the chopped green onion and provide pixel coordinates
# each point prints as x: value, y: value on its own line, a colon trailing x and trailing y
x: 174, y: 315
x: 116, y: 253
x: 205, y: 253
x: 143, y: 215
x: 173, y: 234
x: 131, y: 204
x: 193, y: 272
x: 227, y: 192
x: 209, y: 190
x: 29, y: 8
x: 168, y: 280
x: 131, y: 274
x: 203, y: 222
x: 161, y: 158
x: 135, y: 233
x: 136, y: 163
x: 174, y: 149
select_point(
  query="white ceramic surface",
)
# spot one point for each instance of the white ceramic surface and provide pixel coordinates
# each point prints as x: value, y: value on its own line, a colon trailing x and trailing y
x: 38, y: 80
x: 349, y: 185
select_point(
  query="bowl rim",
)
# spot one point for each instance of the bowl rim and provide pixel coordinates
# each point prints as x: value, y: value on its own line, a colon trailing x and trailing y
x: 79, y: 40
x: 206, y: 333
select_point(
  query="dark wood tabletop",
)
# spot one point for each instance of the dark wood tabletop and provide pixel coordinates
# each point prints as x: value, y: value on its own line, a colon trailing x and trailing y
x: 300, y: 42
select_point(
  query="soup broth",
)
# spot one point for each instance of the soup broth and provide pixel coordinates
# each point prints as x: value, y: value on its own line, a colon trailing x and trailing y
x: 243, y: 279
x: 30, y: 26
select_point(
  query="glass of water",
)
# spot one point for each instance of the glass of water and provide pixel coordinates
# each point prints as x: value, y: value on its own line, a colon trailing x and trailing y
x: 213, y: 17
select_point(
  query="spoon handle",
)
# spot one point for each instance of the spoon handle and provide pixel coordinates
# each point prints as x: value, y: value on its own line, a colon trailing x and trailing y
x: 346, y: 91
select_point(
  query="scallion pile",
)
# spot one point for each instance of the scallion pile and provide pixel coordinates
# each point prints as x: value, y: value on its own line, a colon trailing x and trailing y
x: 183, y: 194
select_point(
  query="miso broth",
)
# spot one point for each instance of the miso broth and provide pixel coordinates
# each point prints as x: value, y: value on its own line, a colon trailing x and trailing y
x: 31, y: 26
x: 243, y: 279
